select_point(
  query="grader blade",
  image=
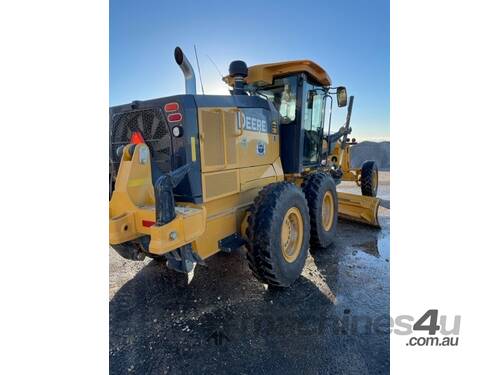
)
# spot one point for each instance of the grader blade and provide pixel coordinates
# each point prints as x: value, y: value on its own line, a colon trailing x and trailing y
x: 359, y: 208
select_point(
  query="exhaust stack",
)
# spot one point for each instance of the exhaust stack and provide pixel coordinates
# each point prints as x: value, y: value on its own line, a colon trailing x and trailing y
x: 187, y: 69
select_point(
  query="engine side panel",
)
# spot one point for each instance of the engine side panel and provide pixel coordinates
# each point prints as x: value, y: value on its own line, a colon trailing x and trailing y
x: 236, y: 133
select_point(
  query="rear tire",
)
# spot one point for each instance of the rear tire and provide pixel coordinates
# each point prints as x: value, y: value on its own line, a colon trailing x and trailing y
x: 278, y: 234
x: 321, y: 194
x: 369, y: 178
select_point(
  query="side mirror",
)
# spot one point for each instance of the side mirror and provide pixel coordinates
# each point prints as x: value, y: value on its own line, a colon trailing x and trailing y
x: 341, y: 96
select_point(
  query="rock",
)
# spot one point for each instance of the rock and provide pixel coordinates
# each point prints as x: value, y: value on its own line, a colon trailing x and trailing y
x: 378, y: 151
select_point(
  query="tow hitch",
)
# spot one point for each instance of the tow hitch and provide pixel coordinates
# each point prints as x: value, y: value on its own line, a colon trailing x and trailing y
x: 147, y: 220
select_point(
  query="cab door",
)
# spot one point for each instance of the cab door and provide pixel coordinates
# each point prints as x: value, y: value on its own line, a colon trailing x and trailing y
x: 312, y: 124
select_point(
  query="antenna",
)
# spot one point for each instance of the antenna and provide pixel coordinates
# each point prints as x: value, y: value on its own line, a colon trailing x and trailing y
x: 199, y: 71
x: 215, y: 66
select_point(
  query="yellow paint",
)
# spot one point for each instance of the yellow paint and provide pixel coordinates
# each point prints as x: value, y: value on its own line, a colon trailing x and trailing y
x: 259, y: 176
x: 132, y: 202
x: 292, y: 234
x: 229, y: 160
x: 264, y: 74
x: 232, y: 175
x: 188, y: 225
x: 201, y: 225
x: 218, y: 138
x: 193, y: 149
x: 225, y: 144
x: 353, y: 207
x: 244, y: 225
x: 260, y: 183
x: 136, y: 182
x: 342, y: 158
x: 220, y: 184
x: 224, y: 218
x: 359, y: 208
x: 278, y: 169
x: 327, y: 210
x: 131, y: 170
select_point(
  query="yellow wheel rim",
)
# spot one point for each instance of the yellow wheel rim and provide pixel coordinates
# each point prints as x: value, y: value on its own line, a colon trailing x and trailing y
x: 375, y: 180
x: 292, y: 234
x: 327, y: 211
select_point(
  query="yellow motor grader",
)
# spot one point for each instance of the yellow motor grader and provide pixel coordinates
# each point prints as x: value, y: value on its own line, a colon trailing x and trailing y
x: 192, y: 175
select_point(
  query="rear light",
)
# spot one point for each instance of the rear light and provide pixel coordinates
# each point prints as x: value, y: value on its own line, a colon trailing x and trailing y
x: 177, y: 131
x: 147, y: 223
x: 171, y: 107
x: 174, y: 117
x: 136, y: 138
x: 173, y: 114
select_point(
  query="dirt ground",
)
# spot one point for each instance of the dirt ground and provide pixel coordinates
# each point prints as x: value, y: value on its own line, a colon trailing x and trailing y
x: 334, y: 319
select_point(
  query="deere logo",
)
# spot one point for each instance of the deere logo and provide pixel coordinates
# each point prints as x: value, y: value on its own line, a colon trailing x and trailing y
x: 254, y: 124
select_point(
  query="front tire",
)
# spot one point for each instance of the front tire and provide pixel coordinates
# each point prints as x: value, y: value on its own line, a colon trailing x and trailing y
x: 278, y: 234
x: 321, y: 194
x: 369, y: 178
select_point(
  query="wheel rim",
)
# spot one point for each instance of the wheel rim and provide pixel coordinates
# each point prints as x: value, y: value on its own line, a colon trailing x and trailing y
x: 292, y: 234
x: 327, y: 210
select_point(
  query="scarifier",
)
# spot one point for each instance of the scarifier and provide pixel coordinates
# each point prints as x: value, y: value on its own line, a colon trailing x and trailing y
x: 192, y: 175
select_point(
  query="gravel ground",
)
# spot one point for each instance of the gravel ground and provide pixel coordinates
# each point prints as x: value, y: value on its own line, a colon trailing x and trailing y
x: 334, y: 319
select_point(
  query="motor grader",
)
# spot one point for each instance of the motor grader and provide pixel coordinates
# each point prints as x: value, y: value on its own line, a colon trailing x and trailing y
x: 192, y: 175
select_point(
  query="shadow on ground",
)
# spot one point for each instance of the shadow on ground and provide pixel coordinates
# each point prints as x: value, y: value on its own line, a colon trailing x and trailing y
x: 333, y: 320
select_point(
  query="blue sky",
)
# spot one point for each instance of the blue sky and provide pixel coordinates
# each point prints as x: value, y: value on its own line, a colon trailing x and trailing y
x: 349, y: 39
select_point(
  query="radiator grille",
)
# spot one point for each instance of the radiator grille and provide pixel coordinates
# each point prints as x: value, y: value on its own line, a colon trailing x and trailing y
x: 153, y: 127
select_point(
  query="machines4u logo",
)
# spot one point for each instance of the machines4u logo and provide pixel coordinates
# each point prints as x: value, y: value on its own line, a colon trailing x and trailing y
x: 435, y: 329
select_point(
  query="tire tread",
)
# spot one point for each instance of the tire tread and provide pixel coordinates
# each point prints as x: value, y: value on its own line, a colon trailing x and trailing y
x: 260, y: 256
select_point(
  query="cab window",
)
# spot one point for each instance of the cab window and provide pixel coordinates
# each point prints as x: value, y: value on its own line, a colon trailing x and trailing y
x: 283, y: 94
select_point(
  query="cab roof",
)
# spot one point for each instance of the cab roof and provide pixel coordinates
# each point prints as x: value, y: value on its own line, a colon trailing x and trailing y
x: 263, y: 74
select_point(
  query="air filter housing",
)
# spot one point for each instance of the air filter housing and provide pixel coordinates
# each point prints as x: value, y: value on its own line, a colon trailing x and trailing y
x: 239, y: 71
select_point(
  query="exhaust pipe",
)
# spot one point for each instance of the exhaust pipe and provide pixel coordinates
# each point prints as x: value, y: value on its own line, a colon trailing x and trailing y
x: 187, y: 69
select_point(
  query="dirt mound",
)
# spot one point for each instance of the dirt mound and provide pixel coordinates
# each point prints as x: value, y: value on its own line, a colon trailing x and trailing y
x: 378, y: 151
